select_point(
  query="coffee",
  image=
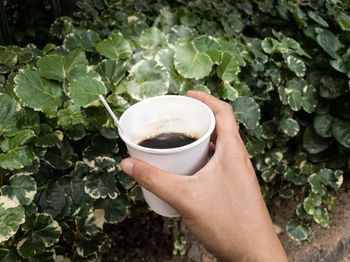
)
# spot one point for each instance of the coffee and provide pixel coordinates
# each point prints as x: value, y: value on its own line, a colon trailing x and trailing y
x: 167, y: 140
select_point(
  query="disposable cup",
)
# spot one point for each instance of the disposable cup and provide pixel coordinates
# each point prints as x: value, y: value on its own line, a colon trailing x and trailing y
x: 165, y: 114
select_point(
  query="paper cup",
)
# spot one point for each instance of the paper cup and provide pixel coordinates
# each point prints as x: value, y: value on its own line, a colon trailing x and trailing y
x: 165, y: 114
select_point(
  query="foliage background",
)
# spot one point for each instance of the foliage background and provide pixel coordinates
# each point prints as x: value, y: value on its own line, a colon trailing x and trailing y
x: 284, y: 68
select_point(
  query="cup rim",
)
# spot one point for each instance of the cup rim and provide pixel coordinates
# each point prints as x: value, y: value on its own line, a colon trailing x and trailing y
x: 158, y: 151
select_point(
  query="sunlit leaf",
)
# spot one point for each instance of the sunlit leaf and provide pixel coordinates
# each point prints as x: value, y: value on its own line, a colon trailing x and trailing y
x: 61, y: 67
x: 191, y: 63
x: 147, y: 79
x: 86, y: 89
x: 37, y: 92
x: 115, y: 47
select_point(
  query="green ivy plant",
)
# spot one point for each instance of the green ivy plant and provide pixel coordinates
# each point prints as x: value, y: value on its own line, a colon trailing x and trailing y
x: 284, y: 69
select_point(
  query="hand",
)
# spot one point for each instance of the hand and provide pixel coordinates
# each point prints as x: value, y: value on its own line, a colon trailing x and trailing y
x: 221, y: 204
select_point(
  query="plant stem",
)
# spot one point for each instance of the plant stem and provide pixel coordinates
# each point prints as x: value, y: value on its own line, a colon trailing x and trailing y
x: 4, y: 27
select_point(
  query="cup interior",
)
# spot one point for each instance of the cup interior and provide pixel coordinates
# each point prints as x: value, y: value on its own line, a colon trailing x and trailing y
x: 165, y: 114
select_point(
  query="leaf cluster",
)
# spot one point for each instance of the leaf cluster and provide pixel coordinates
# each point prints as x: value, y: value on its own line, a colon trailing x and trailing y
x: 284, y: 69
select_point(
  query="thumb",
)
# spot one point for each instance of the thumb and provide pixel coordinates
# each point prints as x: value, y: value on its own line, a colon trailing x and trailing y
x: 166, y: 186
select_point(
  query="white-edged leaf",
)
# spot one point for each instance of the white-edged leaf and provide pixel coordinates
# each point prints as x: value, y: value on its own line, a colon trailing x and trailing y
x: 86, y: 89
x: 289, y: 126
x: 246, y: 111
x: 147, y: 79
x: 22, y: 187
x: 191, y: 63
x: 115, y: 47
x: 12, y: 216
x: 37, y: 92
x: 42, y: 232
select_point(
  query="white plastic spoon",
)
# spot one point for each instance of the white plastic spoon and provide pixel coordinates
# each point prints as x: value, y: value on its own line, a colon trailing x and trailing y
x: 116, y: 121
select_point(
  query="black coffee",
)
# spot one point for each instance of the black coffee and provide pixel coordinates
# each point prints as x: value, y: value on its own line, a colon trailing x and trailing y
x: 167, y: 140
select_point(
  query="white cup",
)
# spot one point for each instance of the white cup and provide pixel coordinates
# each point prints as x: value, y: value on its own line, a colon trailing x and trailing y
x: 164, y: 114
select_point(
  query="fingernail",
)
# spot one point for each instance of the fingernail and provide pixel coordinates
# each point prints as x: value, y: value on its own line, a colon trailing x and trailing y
x: 127, y: 166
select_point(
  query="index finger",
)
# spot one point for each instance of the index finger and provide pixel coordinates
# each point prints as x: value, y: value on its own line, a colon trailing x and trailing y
x: 226, y: 126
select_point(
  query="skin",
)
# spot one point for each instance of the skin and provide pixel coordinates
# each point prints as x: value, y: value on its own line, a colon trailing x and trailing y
x: 221, y: 204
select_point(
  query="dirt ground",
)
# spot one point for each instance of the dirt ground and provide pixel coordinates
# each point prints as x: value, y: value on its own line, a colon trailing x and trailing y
x: 152, y: 238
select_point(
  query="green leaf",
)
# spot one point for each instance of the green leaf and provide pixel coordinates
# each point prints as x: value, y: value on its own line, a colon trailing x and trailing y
x: 228, y: 92
x: 343, y: 21
x: 86, y: 89
x: 12, y: 216
x: 255, y: 147
x: 321, y: 217
x: 246, y: 111
x: 10, y: 114
x: 332, y: 87
x: 329, y: 42
x: 115, y: 47
x: 36, y: 92
x: 229, y: 68
x: 152, y: 38
x: 298, y: 231
x: 70, y: 116
x: 136, y: 194
x: 289, y: 126
x: 61, y: 156
x: 317, y: 18
x: 48, y: 138
x: 51, y: 199
x: 301, y: 213
x: 191, y: 63
x: 295, y: 64
x: 85, y: 39
x: 209, y: 45
x: 273, y: 157
x: 268, y: 45
x: 311, y: 202
x: 74, y: 188
x: 293, y: 91
x: 147, y: 79
x: 112, y: 72
x: 7, y: 256
x: 61, y: 67
x: 323, y: 125
x: 341, y: 132
x: 22, y: 187
x: 268, y: 175
x: 17, y: 153
x: 313, y: 143
x: 114, y: 210
x: 300, y: 95
x: 325, y: 177
x: 309, y: 99
x: 100, y: 182
x: 286, y: 192
x: 42, y: 232
x: 126, y: 181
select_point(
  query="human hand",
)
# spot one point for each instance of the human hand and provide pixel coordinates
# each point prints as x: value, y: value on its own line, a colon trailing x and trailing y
x: 221, y: 204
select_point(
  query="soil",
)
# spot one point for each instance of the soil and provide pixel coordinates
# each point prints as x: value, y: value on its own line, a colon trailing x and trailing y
x: 150, y: 237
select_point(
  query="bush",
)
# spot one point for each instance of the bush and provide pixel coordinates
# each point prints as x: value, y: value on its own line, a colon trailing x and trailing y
x: 285, y: 70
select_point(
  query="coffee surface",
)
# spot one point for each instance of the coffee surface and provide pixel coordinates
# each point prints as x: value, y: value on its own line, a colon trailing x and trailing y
x: 167, y: 140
